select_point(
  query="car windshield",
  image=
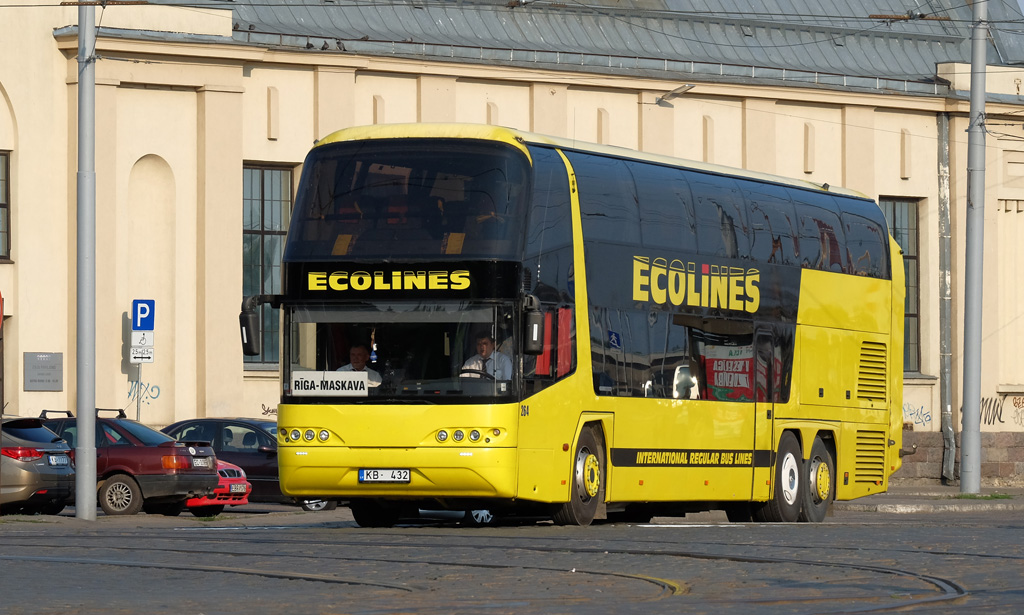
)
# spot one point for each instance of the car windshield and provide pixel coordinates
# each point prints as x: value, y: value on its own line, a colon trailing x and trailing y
x: 392, y: 351
x: 147, y: 435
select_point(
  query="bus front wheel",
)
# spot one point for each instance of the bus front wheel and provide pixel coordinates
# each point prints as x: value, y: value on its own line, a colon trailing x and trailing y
x: 787, y: 492
x: 587, y: 481
x: 820, y: 472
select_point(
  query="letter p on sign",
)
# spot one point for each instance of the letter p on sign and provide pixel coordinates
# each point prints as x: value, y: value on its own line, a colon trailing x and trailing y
x: 143, y: 311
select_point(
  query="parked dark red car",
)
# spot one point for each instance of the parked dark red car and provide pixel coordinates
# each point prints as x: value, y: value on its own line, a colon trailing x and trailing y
x: 140, y: 468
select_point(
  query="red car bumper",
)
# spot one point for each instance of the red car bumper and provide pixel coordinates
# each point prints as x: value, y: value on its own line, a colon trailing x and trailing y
x: 232, y: 490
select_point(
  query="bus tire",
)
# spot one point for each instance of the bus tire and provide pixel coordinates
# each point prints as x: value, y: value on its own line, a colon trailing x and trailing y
x: 587, y: 481
x: 784, y: 506
x: 373, y: 513
x: 820, y: 471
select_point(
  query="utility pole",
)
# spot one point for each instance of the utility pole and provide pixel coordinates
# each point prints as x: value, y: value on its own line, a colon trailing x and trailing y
x: 970, y: 435
x: 85, y: 453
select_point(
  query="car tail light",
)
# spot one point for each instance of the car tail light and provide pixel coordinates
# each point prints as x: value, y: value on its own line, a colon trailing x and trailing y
x: 176, y: 462
x: 22, y: 453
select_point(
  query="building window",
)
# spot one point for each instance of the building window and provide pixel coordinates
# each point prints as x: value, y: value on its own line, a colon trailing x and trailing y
x: 266, y: 209
x: 901, y: 214
x: 5, y: 204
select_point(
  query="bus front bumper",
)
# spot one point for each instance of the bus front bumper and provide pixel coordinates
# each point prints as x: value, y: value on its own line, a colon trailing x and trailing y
x: 432, y: 472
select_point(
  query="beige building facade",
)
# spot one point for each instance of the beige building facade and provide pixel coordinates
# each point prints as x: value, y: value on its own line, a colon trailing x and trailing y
x: 182, y: 125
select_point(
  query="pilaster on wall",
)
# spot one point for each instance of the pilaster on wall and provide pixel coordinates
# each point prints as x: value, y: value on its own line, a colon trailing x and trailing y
x: 858, y: 138
x: 548, y: 109
x: 436, y: 99
x: 759, y: 126
x: 334, y: 99
x: 657, y: 125
x: 219, y: 246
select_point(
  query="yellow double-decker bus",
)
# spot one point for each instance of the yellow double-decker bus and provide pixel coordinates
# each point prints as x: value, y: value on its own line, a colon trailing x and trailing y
x: 475, y: 317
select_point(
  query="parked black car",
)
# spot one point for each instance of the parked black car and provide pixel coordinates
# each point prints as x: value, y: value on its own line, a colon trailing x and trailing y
x: 37, y: 472
x: 251, y: 444
x: 139, y: 468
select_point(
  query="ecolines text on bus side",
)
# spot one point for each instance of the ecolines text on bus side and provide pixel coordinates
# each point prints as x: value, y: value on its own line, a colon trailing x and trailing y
x: 388, y: 280
x: 678, y: 283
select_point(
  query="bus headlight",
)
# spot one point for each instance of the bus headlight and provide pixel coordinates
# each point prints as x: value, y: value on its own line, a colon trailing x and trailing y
x: 310, y: 434
x: 295, y: 435
x: 474, y: 436
x: 442, y: 435
x: 458, y: 435
x: 324, y: 434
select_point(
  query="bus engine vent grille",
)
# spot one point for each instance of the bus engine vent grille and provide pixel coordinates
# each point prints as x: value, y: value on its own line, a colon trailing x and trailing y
x: 871, y: 376
x: 870, y: 463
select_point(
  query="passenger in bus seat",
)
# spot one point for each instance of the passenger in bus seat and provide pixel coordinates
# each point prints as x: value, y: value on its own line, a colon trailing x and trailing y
x: 488, y: 360
x: 358, y: 355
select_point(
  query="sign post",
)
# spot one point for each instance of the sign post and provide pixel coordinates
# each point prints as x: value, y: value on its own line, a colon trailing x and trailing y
x: 141, y: 351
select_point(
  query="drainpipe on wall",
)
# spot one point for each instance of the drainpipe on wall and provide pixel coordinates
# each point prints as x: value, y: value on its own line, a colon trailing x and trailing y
x: 945, y: 306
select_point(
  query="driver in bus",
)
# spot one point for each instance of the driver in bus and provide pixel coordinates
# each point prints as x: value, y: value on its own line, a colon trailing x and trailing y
x: 358, y: 355
x: 488, y: 360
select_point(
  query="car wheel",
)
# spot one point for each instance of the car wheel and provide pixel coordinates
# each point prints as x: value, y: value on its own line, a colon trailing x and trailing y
x: 120, y: 495
x: 478, y: 518
x: 207, y: 511
x: 318, y: 505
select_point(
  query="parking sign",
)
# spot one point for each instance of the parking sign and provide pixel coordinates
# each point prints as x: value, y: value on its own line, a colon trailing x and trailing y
x: 143, y: 314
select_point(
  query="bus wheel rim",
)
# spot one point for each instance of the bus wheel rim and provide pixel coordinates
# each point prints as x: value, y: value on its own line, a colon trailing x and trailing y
x: 590, y: 473
x: 790, y: 478
x: 822, y: 481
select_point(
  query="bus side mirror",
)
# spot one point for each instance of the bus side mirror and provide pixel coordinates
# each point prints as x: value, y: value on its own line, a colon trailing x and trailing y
x: 533, y: 321
x: 249, y: 322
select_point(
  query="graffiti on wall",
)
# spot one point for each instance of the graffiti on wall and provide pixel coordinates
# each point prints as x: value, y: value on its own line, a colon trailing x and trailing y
x: 991, y: 410
x: 1018, y: 410
x: 143, y: 391
x: 267, y: 410
x: 917, y: 415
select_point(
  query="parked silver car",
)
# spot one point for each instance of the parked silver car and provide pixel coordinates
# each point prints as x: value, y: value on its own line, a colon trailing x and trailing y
x: 37, y: 472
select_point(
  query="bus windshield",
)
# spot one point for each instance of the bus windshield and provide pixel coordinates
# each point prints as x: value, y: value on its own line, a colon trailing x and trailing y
x: 420, y: 198
x: 428, y: 351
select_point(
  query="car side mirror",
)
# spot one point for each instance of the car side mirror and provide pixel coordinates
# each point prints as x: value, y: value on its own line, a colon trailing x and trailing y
x: 267, y: 449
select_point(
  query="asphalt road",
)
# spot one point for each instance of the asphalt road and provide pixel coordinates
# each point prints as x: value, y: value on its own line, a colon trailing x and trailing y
x: 266, y: 558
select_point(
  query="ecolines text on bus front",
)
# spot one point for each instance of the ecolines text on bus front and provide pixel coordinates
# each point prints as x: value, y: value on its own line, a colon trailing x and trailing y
x: 389, y: 280
x: 678, y: 283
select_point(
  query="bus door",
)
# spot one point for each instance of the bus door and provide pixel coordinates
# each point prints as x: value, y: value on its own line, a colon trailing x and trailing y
x: 766, y: 372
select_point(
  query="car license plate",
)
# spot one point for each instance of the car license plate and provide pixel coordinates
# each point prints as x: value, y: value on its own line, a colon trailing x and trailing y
x: 59, y: 460
x: 201, y: 462
x: 384, y: 475
x: 238, y: 488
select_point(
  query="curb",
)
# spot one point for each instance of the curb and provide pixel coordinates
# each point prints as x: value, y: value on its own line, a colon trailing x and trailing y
x: 929, y: 507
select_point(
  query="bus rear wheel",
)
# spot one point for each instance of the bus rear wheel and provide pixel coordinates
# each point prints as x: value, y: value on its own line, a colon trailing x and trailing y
x: 787, y: 492
x: 820, y: 472
x: 587, y: 481
x: 373, y: 513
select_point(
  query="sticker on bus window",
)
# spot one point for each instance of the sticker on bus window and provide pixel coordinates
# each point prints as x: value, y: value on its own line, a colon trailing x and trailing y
x: 329, y: 384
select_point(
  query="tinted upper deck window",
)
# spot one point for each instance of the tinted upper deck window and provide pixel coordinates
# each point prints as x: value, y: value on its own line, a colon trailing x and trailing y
x: 410, y: 198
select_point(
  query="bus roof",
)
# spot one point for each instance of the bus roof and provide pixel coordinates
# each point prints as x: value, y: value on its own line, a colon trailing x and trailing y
x: 517, y: 139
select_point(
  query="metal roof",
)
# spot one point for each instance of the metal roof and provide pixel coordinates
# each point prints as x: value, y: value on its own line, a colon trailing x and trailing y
x: 860, y: 44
